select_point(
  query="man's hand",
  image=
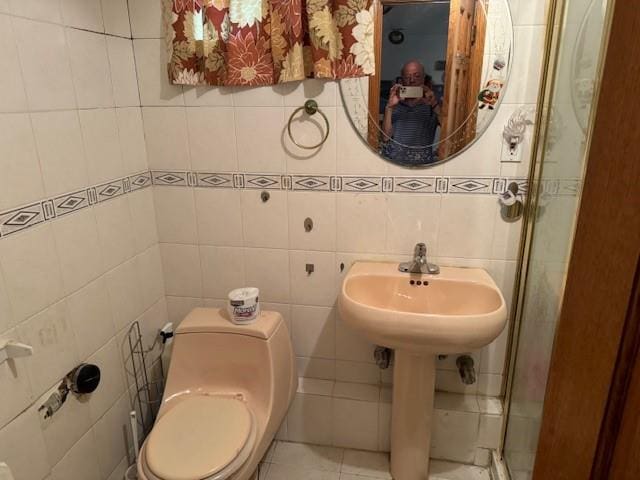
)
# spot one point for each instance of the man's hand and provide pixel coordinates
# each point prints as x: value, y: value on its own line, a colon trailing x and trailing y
x: 429, y: 97
x: 394, y: 96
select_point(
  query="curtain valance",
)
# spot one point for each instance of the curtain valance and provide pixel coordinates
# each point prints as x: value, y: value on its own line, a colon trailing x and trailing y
x: 264, y: 42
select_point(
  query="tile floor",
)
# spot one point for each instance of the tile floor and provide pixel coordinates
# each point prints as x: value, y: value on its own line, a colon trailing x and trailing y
x: 297, y: 461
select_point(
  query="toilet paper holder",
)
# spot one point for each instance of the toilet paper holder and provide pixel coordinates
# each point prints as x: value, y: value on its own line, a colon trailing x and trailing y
x: 511, y: 203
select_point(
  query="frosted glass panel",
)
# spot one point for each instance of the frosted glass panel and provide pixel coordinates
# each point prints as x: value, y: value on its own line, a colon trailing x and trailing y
x: 582, y: 34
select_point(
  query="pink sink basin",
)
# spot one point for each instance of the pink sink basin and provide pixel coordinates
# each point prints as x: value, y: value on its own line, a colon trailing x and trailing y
x: 419, y: 316
x: 460, y: 309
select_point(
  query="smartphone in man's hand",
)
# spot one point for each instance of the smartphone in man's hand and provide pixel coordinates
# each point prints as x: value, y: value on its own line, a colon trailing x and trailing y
x: 410, y: 92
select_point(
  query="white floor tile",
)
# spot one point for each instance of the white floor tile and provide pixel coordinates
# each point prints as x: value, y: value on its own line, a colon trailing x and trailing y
x: 310, y: 457
x: 296, y: 472
x: 439, y: 470
x: 370, y: 464
x: 491, y: 405
x: 351, y: 476
x: 263, y: 471
x: 297, y: 461
x: 268, y: 456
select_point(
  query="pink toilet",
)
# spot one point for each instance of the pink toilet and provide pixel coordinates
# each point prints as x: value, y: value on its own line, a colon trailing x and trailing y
x: 227, y: 391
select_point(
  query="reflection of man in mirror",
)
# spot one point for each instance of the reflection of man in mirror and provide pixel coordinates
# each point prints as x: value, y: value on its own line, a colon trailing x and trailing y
x: 411, y: 117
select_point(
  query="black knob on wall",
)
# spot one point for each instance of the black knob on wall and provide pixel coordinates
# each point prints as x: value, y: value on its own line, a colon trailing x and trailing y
x: 85, y: 378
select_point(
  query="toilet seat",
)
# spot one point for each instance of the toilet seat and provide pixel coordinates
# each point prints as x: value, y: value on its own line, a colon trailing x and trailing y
x: 205, y: 437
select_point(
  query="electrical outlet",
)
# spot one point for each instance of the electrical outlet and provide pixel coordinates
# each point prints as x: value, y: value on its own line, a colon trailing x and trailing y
x: 511, y: 155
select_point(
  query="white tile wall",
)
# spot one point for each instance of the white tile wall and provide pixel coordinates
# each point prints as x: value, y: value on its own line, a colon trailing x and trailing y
x: 60, y: 150
x: 212, y: 149
x: 358, y: 416
x: 115, y: 14
x: 166, y: 137
x: 123, y: 72
x: 101, y: 143
x: 81, y: 260
x: 84, y: 14
x: 91, y: 318
x: 70, y: 118
x: 23, y: 447
x: 32, y: 271
x: 47, y: 74
x: 12, y: 92
x: 90, y: 68
x: 154, y: 86
x: 21, y: 181
x: 79, y: 108
x: 219, y: 225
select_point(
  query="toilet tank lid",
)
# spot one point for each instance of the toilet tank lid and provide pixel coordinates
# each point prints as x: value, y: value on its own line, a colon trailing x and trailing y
x: 216, y: 320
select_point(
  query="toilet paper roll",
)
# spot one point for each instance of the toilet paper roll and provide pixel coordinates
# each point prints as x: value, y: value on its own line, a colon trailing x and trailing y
x: 244, y: 306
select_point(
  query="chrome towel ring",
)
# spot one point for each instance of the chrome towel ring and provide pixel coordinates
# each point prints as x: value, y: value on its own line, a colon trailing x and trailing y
x: 311, y: 108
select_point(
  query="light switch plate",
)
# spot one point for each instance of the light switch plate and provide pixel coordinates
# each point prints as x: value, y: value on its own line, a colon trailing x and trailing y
x: 511, y: 155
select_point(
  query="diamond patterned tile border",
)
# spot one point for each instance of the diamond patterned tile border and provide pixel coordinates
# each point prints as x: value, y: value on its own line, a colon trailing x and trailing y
x: 415, y: 184
x: 361, y: 184
x: 215, y: 180
x: 169, y: 178
x: 470, y: 185
x: 18, y: 219
x: 264, y: 182
x: 21, y: 218
x: 311, y: 183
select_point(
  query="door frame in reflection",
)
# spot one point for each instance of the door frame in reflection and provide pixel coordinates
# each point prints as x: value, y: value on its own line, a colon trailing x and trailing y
x: 463, y: 73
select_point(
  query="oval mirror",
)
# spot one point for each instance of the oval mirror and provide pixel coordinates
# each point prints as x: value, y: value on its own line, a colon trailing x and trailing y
x: 441, y: 71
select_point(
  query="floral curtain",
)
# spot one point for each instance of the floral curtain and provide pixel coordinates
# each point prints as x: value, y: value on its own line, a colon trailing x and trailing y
x: 264, y: 42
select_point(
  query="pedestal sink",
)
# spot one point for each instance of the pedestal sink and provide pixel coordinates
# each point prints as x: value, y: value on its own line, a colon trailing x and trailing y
x: 420, y: 316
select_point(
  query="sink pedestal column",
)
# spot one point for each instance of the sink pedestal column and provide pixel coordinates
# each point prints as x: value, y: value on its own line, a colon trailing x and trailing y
x: 411, y: 411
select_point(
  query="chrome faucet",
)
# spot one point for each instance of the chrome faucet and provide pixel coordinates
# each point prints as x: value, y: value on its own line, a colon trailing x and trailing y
x: 420, y: 264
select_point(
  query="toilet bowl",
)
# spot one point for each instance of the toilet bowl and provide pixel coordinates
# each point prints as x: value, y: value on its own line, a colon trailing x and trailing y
x: 227, y: 391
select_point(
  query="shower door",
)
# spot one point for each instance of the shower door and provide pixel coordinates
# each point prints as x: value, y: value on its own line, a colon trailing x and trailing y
x: 577, y: 33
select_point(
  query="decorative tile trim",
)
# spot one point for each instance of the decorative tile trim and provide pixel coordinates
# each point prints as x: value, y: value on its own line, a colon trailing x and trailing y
x: 141, y: 180
x: 263, y: 182
x: 21, y: 218
x: 110, y: 190
x: 214, y: 180
x: 338, y: 183
x: 361, y: 184
x: 415, y: 184
x: 322, y: 184
x: 442, y: 185
x: 470, y: 185
x: 176, y: 179
x: 72, y: 202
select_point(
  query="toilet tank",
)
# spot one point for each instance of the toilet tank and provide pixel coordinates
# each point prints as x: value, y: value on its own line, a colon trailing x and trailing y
x: 212, y: 355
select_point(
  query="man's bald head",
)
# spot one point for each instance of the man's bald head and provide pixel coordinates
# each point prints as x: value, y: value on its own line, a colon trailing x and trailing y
x: 413, y: 73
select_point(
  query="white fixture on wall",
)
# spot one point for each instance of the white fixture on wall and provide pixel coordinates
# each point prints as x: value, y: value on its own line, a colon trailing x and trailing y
x: 514, y: 133
x: 5, y: 472
x: 12, y: 349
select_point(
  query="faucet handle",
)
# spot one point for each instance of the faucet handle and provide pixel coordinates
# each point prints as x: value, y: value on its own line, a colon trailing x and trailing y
x: 420, y: 250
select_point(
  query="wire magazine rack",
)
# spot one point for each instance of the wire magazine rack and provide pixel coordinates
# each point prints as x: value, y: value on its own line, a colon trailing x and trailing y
x: 148, y: 393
